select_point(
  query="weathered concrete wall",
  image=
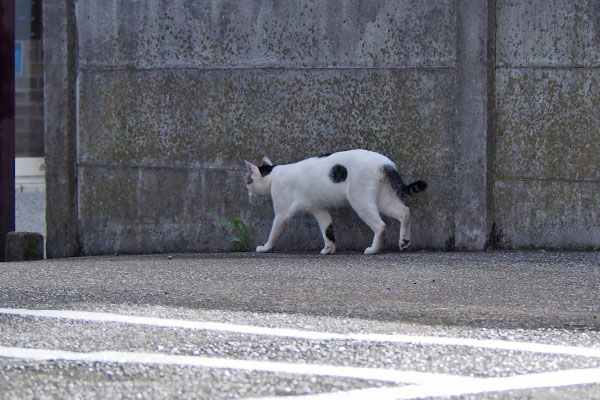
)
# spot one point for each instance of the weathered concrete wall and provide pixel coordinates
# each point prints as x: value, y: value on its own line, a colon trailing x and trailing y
x: 547, y: 188
x: 476, y: 97
x: 173, y: 95
x: 266, y: 34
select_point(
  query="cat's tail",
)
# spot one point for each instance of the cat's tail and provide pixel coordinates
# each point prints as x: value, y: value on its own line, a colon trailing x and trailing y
x: 398, y: 185
x: 415, y: 187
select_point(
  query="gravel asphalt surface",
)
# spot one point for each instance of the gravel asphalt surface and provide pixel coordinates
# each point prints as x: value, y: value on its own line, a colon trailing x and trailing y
x: 497, y: 325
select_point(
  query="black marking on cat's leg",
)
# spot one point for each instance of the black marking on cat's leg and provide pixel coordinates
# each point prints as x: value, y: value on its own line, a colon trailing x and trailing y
x: 338, y: 173
x: 265, y: 169
x: 325, y: 155
x: 329, y: 233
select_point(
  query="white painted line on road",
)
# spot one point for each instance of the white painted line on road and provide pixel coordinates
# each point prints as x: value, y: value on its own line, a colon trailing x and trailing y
x: 473, y: 386
x: 490, y: 344
x: 420, y: 384
x: 375, y: 374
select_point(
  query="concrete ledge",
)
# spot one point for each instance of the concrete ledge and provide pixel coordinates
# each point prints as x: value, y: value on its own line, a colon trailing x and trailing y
x: 24, y: 246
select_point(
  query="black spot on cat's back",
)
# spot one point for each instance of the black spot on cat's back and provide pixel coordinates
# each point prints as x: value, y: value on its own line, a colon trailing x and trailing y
x: 338, y: 173
x: 325, y: 155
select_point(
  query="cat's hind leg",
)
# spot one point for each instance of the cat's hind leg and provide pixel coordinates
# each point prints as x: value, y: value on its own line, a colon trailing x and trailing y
x: 368, y: 212
x: 404, y: 240
x: 324, y: 219
x: 393, y: 207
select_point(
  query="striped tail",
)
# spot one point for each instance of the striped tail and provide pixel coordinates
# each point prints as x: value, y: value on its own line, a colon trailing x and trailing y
x: 399, y: 187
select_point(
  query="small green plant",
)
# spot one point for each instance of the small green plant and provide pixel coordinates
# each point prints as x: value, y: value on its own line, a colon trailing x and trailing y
x: 240, y: 229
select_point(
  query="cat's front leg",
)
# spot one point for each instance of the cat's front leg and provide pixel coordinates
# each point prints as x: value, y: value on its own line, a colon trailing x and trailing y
x: 324, y: 219
x: 279, y: 224
x: 328, y: 249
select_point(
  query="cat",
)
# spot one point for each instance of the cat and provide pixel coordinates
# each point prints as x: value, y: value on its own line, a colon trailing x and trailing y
x: 369, y: 182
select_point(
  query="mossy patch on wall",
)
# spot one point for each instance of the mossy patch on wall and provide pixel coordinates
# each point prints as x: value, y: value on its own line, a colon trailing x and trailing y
x: 548, y: 124
x: 199, y: 119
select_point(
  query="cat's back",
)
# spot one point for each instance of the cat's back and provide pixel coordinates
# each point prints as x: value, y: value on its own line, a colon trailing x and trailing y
x: 359, y: 163
x: 324, y: 181
x: 356, y: 162
x: 357, y: 158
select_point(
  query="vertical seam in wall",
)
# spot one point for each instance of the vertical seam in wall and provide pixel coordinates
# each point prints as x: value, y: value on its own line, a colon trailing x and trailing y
x: 72, y: 57
x: 76, y: 92
x: 457, y: 6
x: 493, y: 238
x: 471, y: 226
x: 452, y: 246
x: 451, y: 243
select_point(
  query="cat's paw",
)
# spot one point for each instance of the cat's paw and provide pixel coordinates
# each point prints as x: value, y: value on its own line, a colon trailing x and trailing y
x: 404, y: 243
x: 330, y: 249
x: 371, y: 250
x: 262, y: 249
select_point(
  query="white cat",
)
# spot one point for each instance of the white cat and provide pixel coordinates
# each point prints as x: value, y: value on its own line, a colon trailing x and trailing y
x: 367, y: 181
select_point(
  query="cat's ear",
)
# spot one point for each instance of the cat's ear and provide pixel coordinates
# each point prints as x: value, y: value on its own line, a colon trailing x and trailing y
x: 266, y: 161
x: 251, y: 167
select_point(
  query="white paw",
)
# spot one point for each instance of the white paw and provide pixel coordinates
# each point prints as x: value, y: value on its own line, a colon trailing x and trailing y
x: 371, y: 250
x: 404, y: 243
x: 262, y: 249
x: 329, y: 249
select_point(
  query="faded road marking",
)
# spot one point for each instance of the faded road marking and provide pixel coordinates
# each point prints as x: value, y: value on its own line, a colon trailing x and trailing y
x: 415, y: 384
x: 420, y: 384
x: 462, y: 388
x: 489, y: 344
x: 374, y: 374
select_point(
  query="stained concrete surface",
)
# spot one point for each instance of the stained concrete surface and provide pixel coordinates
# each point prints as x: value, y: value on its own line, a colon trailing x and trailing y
x: 493, y: 102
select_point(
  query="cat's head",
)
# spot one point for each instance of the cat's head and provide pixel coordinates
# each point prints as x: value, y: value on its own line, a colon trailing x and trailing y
x: 257, y: 180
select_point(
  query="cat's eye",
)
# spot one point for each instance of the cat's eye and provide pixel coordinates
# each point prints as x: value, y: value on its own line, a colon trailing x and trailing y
x: 249, y: 179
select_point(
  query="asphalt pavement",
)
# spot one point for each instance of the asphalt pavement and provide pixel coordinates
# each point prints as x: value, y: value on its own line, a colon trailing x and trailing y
x: 492, y: 289
x: 493, y: 325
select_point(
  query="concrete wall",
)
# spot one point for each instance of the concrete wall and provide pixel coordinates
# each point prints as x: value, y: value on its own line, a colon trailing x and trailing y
x: 174, y: 94
x: 547, y: 184
x: 170, y: 96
